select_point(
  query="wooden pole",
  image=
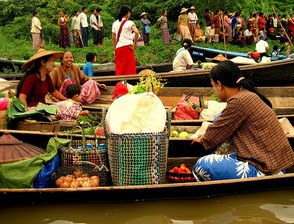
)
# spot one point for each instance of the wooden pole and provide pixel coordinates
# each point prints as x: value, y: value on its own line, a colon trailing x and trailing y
x: 290, y: 41
x: 223, y: 26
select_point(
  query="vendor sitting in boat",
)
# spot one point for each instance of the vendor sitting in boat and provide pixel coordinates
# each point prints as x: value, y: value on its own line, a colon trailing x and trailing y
x: 37, y: 83
x: 68, y: 73
x: 183, y: 59
x: 260, y: 145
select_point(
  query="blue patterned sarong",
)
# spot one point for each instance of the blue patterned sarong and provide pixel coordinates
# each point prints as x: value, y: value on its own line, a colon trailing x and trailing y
x: 221, y: 167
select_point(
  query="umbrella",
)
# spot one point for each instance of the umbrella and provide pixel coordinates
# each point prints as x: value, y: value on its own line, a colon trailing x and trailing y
x: 12, y: 149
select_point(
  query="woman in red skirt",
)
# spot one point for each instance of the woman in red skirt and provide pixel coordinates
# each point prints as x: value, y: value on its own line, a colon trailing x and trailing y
x: 123, y: 42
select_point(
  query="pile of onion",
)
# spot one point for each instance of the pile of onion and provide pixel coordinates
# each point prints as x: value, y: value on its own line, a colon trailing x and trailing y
x: 76, y: 180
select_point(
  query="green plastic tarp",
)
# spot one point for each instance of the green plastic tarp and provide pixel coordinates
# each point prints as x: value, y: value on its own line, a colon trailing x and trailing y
x: 21, y: 174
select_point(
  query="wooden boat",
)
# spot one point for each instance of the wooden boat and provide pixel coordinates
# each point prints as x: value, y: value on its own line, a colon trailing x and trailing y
x: 201, y: 53
x: 167, y: 190
x: 281, y: 97
x: 275, y: 73
x: 107, y: 69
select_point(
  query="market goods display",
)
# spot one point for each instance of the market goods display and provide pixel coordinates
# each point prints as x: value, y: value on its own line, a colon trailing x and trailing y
x: 78, y: 175
x: 180, y: 174
x: 76, y: 180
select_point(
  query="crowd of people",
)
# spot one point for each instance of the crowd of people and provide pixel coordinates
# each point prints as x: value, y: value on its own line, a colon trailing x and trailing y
x: 234, y: 28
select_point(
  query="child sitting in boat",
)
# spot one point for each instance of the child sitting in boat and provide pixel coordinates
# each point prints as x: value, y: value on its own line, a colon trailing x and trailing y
x: 88, y: 67
x: 70, y: 109
x: 260, y: 144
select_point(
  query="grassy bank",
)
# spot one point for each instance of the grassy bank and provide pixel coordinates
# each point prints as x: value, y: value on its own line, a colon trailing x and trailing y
x: 155, y: 52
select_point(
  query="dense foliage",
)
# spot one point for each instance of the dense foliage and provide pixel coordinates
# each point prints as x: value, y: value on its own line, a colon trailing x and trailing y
x: 16, y: 15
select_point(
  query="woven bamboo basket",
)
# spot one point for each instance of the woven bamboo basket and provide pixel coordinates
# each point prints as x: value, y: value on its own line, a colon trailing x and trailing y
x: 78, y: 151
x: 52, y: 126
x: 3, y: 119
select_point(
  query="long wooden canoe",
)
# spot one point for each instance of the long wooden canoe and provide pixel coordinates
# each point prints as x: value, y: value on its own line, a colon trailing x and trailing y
x: 282, y: 98
x: 275, y: 73
x: 146, y: 192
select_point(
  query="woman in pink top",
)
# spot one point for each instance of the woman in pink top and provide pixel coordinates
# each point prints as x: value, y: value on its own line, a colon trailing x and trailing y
x: 227, y: 26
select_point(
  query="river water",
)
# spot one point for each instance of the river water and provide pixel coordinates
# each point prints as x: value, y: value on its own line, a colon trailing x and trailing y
x: 261, y: 207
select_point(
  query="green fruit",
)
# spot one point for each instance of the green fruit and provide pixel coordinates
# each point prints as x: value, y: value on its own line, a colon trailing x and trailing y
x: 184, y: 134
x: 174, y: 134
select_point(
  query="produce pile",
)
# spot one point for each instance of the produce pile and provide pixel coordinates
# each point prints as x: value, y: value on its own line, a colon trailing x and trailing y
x: 149, y: 82
x: 176, y: 134
x: 180, y: 174
x: 76, y: 180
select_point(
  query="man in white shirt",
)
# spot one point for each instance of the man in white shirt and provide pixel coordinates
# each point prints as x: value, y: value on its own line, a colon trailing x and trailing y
x: 262, y: 46
x: 94, y: 25
x: 101, y: 27
x: 183, y: 59
x: 192, y: 20
x: 210, y: 34
x: 84, y: 26
x: 36, y: 28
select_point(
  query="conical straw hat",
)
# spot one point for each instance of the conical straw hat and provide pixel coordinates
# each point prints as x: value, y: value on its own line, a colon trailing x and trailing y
x: 219, y: 57
x: 12, y: 149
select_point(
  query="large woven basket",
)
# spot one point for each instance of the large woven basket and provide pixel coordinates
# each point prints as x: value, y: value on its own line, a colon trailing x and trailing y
x: 77, y: 151
x: 138, y: 159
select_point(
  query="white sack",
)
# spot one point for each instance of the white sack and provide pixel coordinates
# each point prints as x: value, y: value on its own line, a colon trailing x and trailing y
x: 136, y: 113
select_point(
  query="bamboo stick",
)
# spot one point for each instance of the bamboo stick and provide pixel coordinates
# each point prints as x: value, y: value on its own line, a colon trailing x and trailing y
x: 223, y: 26
x: 290, y: 41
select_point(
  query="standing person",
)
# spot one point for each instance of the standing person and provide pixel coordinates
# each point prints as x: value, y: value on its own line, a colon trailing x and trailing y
x: 36, y: 29
x: 249, y: 121
x: 217, y: 21
x: 145, y: 27
x: 123, y: 42
x: 36, y: 83
x: 94, y: 25
x: 183, y: 24
x: 183, y: 59
x: 101, y: 31
x: 91, y: 58
x: 227, y: 26
x: 261, y: 23
x: 208, y: 16
x: 84, y: 26
x: 192, y: 20
x: 164, y: 28
x: 290, y: 24
x: 76, y: 30
x: 275, y: 23
x: 67, y: 73
x: 234, y: 22
x: 64, y: 40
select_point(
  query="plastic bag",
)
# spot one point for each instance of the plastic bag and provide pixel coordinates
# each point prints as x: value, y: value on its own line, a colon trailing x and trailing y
x: 43, y: 178
x: 184, y: 110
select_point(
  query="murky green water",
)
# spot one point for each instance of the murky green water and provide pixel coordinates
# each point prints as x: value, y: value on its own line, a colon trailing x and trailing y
x: 264, y: 207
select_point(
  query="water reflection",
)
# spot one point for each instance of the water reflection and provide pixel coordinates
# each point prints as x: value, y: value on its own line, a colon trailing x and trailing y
x: 265, y: 207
